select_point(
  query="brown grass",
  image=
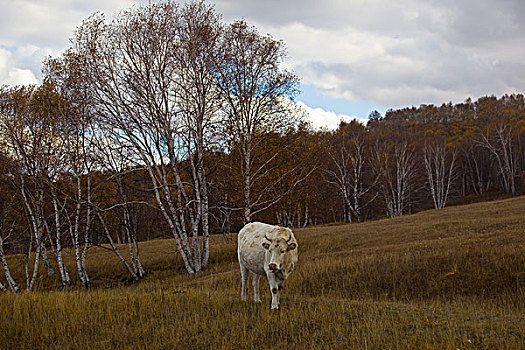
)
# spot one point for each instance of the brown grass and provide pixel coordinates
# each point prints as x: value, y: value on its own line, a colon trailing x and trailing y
x: 441, y: 279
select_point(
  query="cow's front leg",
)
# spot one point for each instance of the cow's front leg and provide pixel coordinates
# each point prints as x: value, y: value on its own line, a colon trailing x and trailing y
x: 274, y: 288
x: 280, y: 284
x: 255, y: 283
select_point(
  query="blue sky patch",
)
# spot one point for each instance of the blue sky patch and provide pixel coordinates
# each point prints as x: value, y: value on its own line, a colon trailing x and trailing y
x: 314, y: 99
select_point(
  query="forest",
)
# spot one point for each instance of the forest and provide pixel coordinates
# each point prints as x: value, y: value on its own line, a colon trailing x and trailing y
x: 167, y: 122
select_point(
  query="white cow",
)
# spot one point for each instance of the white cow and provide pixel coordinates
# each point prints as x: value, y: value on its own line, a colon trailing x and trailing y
x: 266, y: 250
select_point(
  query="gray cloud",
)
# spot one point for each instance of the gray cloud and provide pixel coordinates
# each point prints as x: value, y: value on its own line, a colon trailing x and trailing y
x: 398, y: 53
x: 30, y: 30
x: 394, y: 53
x: 49, y: 23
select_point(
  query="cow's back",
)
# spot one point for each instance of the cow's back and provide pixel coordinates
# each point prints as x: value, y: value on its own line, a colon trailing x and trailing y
x: 250, y: 249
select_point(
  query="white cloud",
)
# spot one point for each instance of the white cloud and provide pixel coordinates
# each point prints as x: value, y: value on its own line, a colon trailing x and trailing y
x: 50, y: 23
x: 12, y: 75
x: 398, y: 71
x: 322, y: 119
x: 397, y: 53
x: 393, y: 53
x: 31, y: 30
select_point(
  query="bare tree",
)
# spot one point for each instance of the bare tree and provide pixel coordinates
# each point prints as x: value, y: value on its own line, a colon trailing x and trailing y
x: 349, y: 155
x: 440, y: 161
x: 5, y: 233
x: 33, y: 126
x: 67, y: 73
x: 198, y: 102
x: 137, y: 78
x: 254, y: 88
x: 500, y: 140
x: 395, y: 164
x: 119, y: 162
x: 478, y: 167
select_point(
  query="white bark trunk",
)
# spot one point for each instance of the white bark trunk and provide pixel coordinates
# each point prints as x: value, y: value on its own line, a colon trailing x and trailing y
x: 131, y: 236
x: 176, y: 227
x: 64, y: 275
x: 47, y: 265
x: 10, y: 280
x: 87, y: 231
x: 439, y: 169
x: 396, y: 175
x: 502, y: 147
x: 30, y: 281
x: 35, y: 224
x: 75, y: 236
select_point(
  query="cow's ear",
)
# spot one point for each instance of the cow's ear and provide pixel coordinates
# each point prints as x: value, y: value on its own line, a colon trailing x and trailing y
x: 292, y: 246
x: 266, y: 245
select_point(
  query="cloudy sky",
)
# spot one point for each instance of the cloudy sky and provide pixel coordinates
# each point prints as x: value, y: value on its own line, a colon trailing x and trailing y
x: 353, y: 56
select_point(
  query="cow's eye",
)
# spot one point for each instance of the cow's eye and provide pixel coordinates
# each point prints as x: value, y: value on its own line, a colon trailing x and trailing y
x: 282, y: 251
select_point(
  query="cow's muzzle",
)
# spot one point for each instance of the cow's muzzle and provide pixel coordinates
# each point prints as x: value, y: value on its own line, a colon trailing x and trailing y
x: 273, y: 267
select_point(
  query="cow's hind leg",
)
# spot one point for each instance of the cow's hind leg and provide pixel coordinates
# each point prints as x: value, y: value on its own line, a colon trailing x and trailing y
x: 255, y: 282
x: 274, y: 289
x: 244, y: 280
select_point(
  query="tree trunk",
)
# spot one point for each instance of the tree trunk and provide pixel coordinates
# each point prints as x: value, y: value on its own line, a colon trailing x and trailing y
x: 172, y: 222
x: 10, y: 281
x: 114, y: 248
x: 87, y: 230
x: 30, y: 281
x: 439, y: 172
x: 47, y: 265
x: 64, y: 275
x: 35, y: 224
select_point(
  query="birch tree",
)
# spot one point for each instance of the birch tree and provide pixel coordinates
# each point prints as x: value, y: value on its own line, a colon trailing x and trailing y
x: 6, y: 230
x: 440, y: 162
x: 32, y: 126
x: 254, y: 89
x: 118, y: 161
x: 67, y: 73
x: 478, y: 167
x: 136, y: 78
x: 199, y: 33
x: 349, y: 160
x: 500, y: 139
x: 394, y: 163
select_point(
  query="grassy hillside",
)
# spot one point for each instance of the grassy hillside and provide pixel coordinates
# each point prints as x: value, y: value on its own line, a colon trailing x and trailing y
x: 441, y: 279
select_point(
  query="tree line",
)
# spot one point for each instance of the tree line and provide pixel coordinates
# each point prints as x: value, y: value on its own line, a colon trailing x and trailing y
x: 167, y: 122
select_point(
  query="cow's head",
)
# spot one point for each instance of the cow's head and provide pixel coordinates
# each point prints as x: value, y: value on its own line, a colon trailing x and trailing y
x: 277, y: 248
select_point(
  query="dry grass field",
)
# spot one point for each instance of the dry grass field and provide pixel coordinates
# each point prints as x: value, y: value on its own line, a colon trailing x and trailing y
x: 441, y: 279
